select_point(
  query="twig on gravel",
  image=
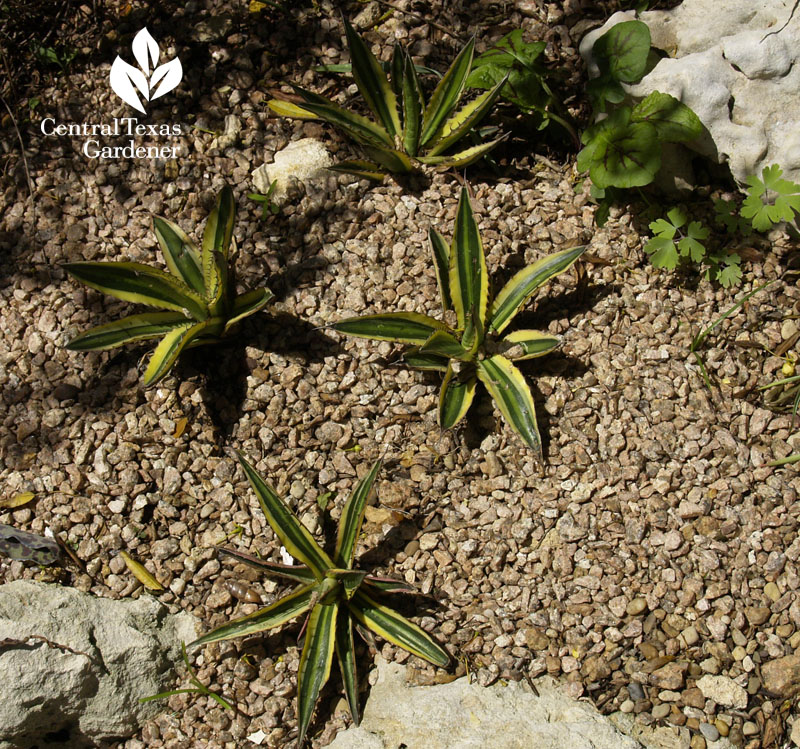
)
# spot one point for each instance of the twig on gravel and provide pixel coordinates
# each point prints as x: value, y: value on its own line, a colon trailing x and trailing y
x: 24, y: 157
x: 422, y: 19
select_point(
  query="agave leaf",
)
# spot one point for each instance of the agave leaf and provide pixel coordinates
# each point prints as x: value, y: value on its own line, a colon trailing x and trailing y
x: 422, y: 361
x: 396, y: 69
x: 388, y: 585
x: 135, y: 282
x: 350, y: 579
x: 171, y: 345
x: 269, y: 617
x: 361, y: 129
x: 402, y: 327
x: 455, y: 397
x: 346, y: 655
x: 469, y: 283
x: 131, y: 328
x: 372, y: 82
x: 352, y: 517
x: 216, y: 243
x: 512, y: 395
x: 523, y: 284
x: 447, y: 93
x: 533, y: 343
x: 315, y: 662
x: 413, y: 102
x: 247, y: 304
x: 297, y: 572
x: 460, y: 159
x: 292, y: 533
x: 396, y: 629
x: 180, y: 254
x: 360, y: 168
x: 444, y: 344
x: 390, y: 159
x: 441, y: 261
x: 464, y: 120
x: 288, y: 109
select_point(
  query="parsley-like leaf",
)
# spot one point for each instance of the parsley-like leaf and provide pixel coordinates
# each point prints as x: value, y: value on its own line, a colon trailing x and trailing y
x: 761, y: 208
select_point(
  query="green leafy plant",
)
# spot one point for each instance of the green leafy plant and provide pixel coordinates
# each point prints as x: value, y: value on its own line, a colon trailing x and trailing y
x: 474, y: 349
x: 198, y: 293
x: 198, y: 688
x: 623, y: 150
x: 332, y: 593
x: 517, y: 64
x: 770, y: 199
x: 268, y: 208
x: 407, y: 132
x: 678, y: 240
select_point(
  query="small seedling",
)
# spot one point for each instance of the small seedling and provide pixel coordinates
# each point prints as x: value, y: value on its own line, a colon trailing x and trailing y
x: 198, y: 688
x: 267, y: 206
x: 770, y: 199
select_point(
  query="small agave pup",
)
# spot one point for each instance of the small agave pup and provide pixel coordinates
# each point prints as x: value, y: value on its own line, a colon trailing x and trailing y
x: 198, y: 293
x: 473, y: 350
x: 332, y: 593
x: 407, y: 129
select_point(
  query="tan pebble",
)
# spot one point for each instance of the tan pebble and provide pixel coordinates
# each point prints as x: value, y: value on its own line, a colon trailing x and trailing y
x: 757, y: 614
x: 794, y: 640
x: 784, y: 630
x: 749, y: 728
x: 636, y: 607
x: 739, y: 652
x: 698, y: 742
x: 772, y: 591
x: 722, y: 727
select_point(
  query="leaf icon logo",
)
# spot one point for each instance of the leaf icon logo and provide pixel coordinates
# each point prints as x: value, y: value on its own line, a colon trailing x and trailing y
x: 150, y: 79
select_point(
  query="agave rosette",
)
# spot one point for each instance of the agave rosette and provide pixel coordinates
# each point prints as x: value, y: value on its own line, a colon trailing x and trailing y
x: 407, y: 130
x: 474, y: 351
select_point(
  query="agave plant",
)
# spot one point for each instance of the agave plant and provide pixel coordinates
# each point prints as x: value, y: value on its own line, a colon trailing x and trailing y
x: 407, y: 131
x: 198, y: 294
x: 473, y: 350
x: 331, y: 593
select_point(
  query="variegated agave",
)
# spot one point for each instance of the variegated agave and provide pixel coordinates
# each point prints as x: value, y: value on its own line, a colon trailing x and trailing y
x: 473, y: 350
x: 198, y: 293
x: 408, y: 131
x: 331, y: 593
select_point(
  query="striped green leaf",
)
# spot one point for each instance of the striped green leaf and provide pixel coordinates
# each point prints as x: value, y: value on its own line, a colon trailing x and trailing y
x: 469, y: 282
x: 293, y: 534
x: 460, y: 159
x: 352, y: 517
x: 513, y: 397
x: 402, y: 327
x: 396, y: 69
x: 171, y: 345
x: 441, y: 262
x: 413, y: 102
x: 271, y: 616
x: 361, y: 169
x: 396, y: 629
x: 430, y: 362
x: 464, y: 120
x: 388, y: 585
x: 372, y: 82
x: 455, y: 396
x: 447, y: 93
x: 135, y: 282
x: 350, y: 579
x: 216, y: 244
x: 391, y: 159
x: 359, y: 128
x: 131, y: 328
x: 288, y: 109
x: 297, y: 572
x: 180, y: 254
x: 247, y: 304
x: 315, y: 662
x: 346, y: 655
x: 531, y: 343
x: 444, y: 344
x: 523, y: 284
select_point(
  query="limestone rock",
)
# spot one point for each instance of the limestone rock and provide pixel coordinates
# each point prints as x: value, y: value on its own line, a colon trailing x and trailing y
x: 781, y: 677
x: 459, y: 715
x: 303, y: 159
x: 739, y: 78
x: 723, y: 691
x: 74, y: 666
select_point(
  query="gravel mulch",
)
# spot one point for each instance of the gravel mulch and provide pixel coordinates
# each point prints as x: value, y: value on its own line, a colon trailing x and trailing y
x: 654, y: 546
